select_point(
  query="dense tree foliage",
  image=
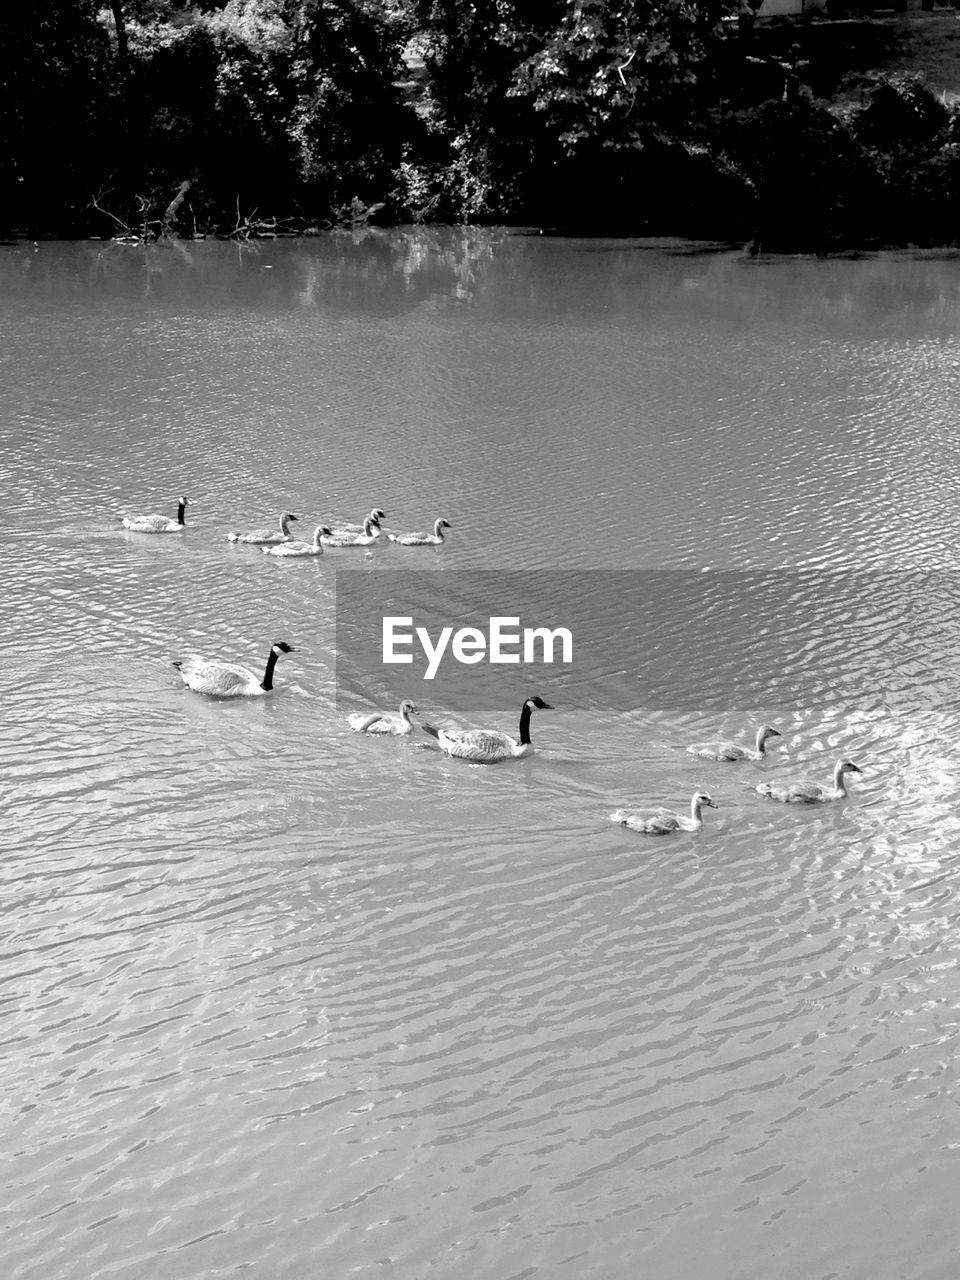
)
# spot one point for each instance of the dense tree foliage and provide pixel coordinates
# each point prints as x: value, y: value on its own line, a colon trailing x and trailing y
x: 57, y: 89
x: 160, y: 117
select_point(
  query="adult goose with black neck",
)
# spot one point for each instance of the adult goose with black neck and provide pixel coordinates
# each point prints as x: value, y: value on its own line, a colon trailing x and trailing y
x: 156, y: 524
x: 488, y: 746
x: 227, y: 679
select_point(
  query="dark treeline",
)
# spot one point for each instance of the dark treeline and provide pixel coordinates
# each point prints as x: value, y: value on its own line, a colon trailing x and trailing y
x: 244, y: 117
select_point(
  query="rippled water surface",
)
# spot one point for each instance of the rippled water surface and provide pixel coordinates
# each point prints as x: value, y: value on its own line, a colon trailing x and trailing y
x: 285, y: 1000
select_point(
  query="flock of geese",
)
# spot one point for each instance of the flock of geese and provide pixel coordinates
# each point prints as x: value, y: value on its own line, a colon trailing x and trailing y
x: 479, y: 746
x: 281, y: 542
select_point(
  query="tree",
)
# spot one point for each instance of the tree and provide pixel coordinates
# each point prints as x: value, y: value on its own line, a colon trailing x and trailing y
x: 348, y: 119
x: 618, y: 75
x: 57, y: 88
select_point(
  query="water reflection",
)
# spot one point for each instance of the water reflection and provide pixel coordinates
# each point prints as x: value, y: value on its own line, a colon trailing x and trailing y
x: 389, y: 271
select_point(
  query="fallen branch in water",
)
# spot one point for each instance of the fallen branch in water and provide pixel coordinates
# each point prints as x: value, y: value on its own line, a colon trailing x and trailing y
x: 172, y: 209
x: 149, y: 227
x: 250, y: 227
x: 95, y: 203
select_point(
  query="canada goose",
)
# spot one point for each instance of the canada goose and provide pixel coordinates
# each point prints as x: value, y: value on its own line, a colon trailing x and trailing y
x: 487, y: 746
x: 377, y: 722
x: 371, y: 531
x: 313, y: 548
x: 376, y: 515
x: 804, y: 792
x: 422, y: 539
x: 660, y: 822
x: 264, y: 537
x: 226, y: 679
x: 156, y: 524
x: 733, y: 751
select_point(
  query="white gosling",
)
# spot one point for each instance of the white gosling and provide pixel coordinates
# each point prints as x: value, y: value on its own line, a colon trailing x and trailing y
x: 226, y: 679
x: 371, y: 531
x: 265, y: 537
x: 733, y: 750
x: 422, y: 539
x: 804, y: 792
x: 377, y: 722
x: 487, y: 746
x: 156, y: 524
x: 660, y: 822
x: 314, y: 548
x: 376, y: 515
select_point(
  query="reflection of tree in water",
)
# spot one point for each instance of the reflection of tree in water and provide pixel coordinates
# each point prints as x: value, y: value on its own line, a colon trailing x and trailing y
x: 390, y: 269
x: 382, y: 272
x: 395, y: 269
x: 357, y: 269
x: 460, y: 252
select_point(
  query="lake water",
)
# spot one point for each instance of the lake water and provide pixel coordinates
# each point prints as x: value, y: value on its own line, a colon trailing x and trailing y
x: 285, y: 1000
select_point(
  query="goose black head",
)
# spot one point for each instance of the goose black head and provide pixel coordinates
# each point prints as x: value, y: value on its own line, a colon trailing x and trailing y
x: 539, y: 704
x: 281, y: 646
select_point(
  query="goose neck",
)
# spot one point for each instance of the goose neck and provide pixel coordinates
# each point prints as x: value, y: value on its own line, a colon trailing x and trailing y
x: 266, y: 684
x: 525, y: 715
